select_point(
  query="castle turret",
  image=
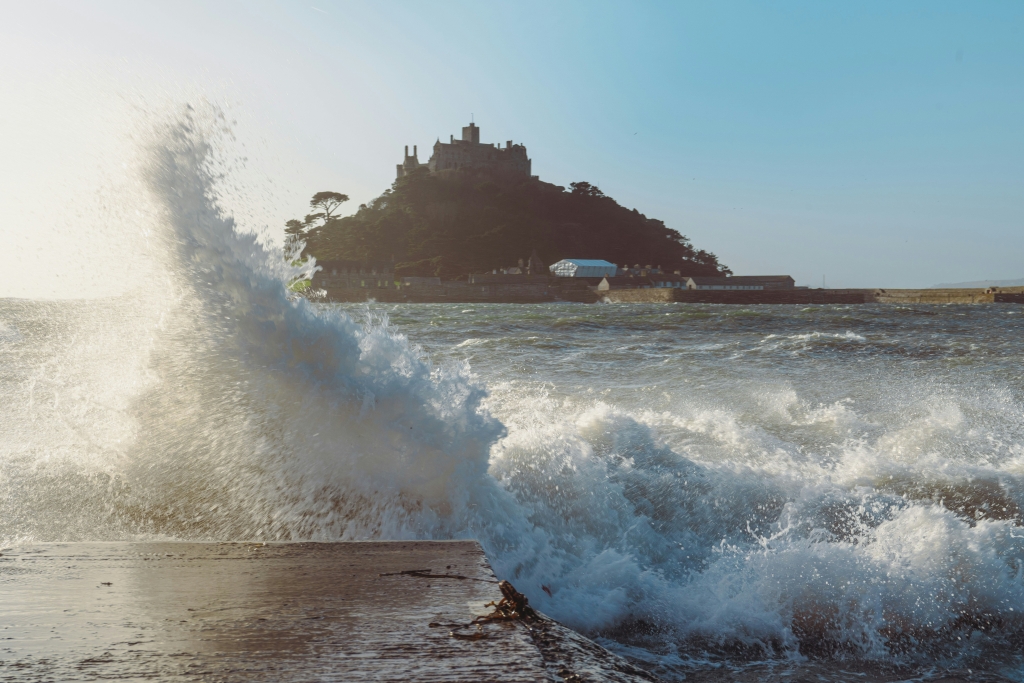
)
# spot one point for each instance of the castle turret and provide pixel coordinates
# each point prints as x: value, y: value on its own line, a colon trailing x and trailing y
x: 471, y: 133
x: 410, y: 163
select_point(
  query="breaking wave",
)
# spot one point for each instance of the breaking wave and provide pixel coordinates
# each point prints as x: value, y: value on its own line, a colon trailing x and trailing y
x: 228, y: 408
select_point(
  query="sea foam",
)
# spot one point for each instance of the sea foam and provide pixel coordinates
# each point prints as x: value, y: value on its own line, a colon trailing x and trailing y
x: 255, y: 414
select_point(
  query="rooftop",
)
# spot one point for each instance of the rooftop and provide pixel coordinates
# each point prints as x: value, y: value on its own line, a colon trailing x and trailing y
x: 599, y: 263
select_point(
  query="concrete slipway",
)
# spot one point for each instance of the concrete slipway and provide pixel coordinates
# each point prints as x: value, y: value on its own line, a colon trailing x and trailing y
x: 368, y: 611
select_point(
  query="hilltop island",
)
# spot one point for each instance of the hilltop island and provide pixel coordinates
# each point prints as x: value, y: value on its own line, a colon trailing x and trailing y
x: 474, y: 208
x: 472, y: 225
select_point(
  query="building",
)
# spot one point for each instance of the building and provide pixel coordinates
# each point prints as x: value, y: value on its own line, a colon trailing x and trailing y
x: 768, y: 281
x: 622, y: 282
x: 645, y: 278
x: 411, y: 163
x: 641, y: 271
x: 742, y: 282
x: 659, y: 280
x: 469, y: 153
x: 504, y: 278
x: 575, y: 267
x: 532, y: 267
x: 721, y: 283
x: 354, y: 275
x: 484, y: 288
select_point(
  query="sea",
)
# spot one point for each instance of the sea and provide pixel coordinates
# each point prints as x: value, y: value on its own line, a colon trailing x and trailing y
x: 826, y: 493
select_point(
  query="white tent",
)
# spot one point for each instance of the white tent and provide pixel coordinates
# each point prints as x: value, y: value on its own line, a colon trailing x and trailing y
x: 578, y: 267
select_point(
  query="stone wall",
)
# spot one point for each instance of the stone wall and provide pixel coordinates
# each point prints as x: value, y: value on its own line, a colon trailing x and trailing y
x: 999, y: 295
x: 775, y: 296
x: 817, y: 296
x: 463, y: 292
x: 579, y: 290
x: 447, y: 292
x: 655, y: 295
x: 745, y: 297
x: 536, y: 290
x: 933, y: 296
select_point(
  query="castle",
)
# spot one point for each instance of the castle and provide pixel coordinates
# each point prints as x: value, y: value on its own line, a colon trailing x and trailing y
x: 470, y: 153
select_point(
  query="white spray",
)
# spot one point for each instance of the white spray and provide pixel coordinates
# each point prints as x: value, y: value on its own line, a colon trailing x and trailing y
x: 261, y: 416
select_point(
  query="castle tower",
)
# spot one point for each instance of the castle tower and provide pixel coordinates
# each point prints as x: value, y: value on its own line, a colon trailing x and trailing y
x: 410, y: 163
x: 471, y: 133
x: 469, y: 154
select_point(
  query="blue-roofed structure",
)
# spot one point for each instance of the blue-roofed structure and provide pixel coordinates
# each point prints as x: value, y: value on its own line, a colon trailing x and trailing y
x: 581, y: 267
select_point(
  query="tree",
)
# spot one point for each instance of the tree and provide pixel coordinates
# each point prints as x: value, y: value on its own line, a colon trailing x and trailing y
x: 452, y: 225
x: 294, y: 231
x: 585, y: 190
x: 326, y: 203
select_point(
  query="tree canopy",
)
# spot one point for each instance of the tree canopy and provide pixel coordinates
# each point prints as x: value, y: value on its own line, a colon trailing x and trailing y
x: 455, y: 223
x: 325, y: 204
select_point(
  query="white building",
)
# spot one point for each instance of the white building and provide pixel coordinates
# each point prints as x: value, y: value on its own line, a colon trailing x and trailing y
x: 578, y: 267
x: 730, y: 283
x: 747, y: 282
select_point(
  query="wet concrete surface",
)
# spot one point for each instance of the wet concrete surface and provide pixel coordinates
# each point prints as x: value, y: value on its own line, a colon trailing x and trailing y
x: 367, y: 611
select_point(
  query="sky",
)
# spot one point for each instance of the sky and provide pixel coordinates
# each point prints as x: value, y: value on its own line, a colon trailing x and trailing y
x: 869, y: 144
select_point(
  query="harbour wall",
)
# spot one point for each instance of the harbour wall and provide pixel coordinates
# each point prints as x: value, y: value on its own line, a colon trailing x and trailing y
x: 933, y: 296
x: 816, y: 296
x: 526, y: 293
x: 747, y: 297
x: 448, y: 292
x: 997, y: 295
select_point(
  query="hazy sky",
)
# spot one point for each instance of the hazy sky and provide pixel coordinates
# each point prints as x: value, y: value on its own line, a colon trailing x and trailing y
x: 878, y: 144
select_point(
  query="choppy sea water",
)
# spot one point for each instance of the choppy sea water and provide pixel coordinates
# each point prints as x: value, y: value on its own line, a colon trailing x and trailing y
x: 842, y: 482
x: 717, y: 492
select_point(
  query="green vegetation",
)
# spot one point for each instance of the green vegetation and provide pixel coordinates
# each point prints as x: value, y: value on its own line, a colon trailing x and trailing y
x: 456, y: 223
x: 325, y: 205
